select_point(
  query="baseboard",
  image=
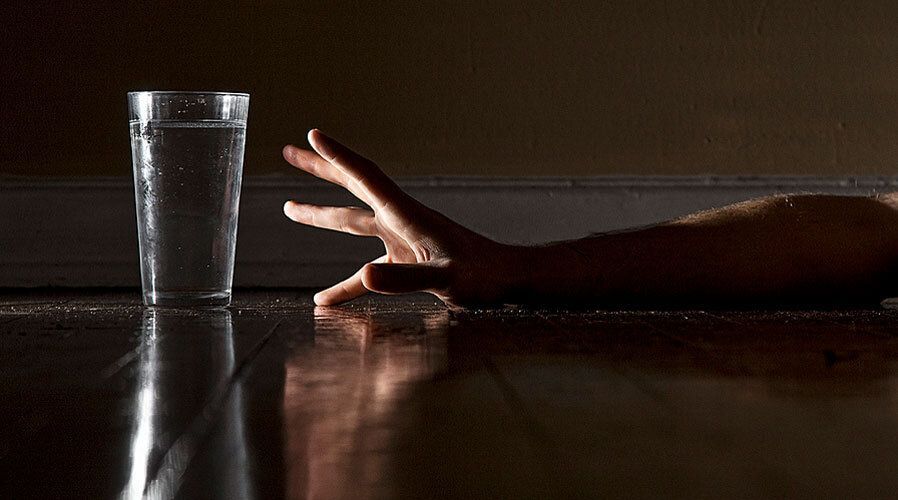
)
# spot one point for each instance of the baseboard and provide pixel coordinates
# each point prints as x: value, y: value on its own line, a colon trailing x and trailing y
x: 82, y: 232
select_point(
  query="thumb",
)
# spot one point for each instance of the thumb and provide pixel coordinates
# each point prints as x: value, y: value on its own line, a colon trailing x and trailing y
x: 405, y: 278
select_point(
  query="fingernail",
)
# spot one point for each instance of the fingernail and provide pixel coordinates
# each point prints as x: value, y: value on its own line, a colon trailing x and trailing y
x: 322, y: 144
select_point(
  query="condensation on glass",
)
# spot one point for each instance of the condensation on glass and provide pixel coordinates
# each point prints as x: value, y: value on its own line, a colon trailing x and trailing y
x: 187, y: 154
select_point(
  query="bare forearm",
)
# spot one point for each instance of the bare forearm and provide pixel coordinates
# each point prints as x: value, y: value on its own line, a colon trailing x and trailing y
x: 804, y: 248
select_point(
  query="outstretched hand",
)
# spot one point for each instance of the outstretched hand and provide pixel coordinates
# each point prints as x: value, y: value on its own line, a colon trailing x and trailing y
x: 742, y: 253
x: 424, y: 250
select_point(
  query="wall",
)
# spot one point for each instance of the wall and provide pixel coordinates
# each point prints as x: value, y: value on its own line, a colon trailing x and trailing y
x: 471, y: 87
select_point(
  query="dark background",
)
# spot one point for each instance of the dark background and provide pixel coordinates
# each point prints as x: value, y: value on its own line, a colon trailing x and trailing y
x: 470, y: 87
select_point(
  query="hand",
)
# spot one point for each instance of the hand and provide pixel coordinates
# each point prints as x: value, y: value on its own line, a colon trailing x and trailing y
x: 425, y: 251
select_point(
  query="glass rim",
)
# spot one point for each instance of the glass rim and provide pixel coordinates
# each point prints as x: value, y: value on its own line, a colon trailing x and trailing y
x: 186, y: 92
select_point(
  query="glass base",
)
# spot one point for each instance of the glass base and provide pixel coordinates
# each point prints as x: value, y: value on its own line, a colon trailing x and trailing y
x: 187, y: 299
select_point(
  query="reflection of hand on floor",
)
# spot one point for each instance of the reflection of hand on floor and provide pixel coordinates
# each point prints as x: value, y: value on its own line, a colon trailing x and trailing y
x: 342, y: 391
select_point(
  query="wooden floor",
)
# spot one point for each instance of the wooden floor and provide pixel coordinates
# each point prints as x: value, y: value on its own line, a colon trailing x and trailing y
x: 398, y: 397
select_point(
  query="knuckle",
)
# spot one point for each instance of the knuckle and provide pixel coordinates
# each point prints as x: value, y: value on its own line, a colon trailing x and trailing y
x: 343, y: 222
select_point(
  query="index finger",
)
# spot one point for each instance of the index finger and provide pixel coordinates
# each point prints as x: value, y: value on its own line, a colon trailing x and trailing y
x: 362, y: 174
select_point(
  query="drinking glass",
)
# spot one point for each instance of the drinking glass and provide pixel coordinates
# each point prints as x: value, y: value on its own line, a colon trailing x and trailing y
x: 187, y: 156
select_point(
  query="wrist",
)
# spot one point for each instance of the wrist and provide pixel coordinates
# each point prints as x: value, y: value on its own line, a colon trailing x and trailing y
x: 532, y: 274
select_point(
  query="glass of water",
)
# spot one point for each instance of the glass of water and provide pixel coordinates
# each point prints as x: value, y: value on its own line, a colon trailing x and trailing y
x: 187, y: 155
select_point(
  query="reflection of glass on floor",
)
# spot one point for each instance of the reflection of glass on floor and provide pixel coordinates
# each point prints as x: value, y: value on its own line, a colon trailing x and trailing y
x: 142, y: 437
x: 341, y: 394
x: 164, y: 379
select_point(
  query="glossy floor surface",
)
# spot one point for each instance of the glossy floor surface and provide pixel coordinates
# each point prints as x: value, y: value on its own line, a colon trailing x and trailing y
x: 398, y: 397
